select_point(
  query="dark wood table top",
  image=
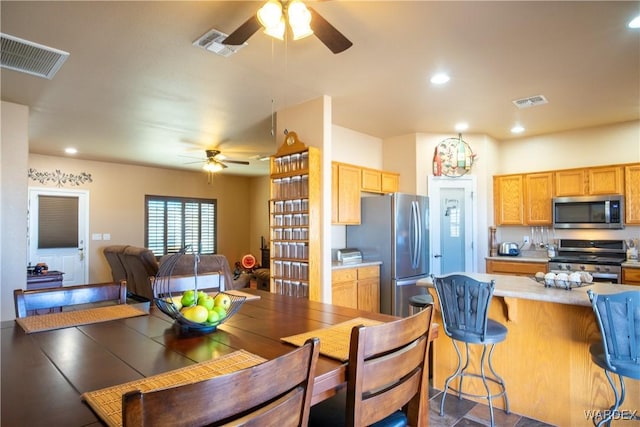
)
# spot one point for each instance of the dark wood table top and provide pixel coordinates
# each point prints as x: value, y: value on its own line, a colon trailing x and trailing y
x: 43, y: 374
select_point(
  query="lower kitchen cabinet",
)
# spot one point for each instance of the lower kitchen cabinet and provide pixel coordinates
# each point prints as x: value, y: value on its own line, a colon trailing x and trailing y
x: 357, y: 287
x: 631, y: 276
x: 516, y: 268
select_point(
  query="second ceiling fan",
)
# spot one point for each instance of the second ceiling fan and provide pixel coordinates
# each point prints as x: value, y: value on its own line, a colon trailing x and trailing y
x: 302, y: 20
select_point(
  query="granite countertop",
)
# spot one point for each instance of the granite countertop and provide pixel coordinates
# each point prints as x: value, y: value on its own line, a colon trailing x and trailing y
x: 527, y: 288
x: 631, y: 264
x: 335, y: 265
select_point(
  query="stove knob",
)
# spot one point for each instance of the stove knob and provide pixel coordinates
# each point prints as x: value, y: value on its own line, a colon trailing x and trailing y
x: 582, y: 267
x: 597, y: 268
x: 607, y: 269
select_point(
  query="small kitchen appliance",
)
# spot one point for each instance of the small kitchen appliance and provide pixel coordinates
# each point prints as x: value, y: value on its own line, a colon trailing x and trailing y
x: 349, y: 256
x: 509, y: 249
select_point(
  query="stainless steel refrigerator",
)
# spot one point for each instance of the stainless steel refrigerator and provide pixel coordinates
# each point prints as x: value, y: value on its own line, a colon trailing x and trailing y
x: 394, y: 229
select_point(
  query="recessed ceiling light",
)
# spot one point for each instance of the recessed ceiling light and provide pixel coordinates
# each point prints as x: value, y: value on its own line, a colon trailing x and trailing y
x: 462, y: 126
x: 70, y: 150
x: 440, y: 78
x: 517, y: 129
x: 635, y: 22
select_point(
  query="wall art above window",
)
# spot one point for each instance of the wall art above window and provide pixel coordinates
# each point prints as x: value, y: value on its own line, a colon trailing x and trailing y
x: 59, y: 178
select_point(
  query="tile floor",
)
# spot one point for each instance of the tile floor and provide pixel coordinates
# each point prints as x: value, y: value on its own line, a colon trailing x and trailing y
x: 466, y: 413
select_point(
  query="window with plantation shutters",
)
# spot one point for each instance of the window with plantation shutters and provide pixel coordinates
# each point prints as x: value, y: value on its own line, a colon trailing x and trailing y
x: 173, y: 223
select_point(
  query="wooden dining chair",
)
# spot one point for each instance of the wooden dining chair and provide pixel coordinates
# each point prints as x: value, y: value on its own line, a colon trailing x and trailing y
x: 28, y: 302
x: 387, y: 377
x: 274, y: 393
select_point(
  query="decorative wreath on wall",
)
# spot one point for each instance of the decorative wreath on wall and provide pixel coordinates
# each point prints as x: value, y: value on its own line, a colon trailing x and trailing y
x: 453, y: 157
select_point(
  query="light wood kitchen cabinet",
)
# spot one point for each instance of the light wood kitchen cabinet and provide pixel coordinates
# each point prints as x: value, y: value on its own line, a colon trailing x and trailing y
x: 294, y: 221
x: 390, y: 182
x: 377, y: 181
x: 589, y: 181
x: 357, y: 287
x: 572, y: 182
x: 606, y: 180
x: 516, y: 268
x: 632, y: 194
x: 630, y: 276
x: 538, y: 194
x: 508, y: 199
x: 345, y: 193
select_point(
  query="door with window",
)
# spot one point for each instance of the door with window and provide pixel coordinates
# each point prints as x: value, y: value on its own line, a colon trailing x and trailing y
x: 453, y: 224
x: 58, y: 232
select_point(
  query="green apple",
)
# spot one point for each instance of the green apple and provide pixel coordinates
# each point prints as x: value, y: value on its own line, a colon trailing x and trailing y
x: 222, y: 312
x: 188, y: 298
x: 206, y: 301
x: 213, y: 316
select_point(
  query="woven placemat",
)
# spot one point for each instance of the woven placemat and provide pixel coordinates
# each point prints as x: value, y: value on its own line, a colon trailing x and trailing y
x: 66, y: 319
x: 334, y: 340
x: 107, y: 402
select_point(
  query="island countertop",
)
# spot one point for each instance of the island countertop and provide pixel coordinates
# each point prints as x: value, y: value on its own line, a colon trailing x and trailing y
x: 545, y: 359
x: 528, y: 288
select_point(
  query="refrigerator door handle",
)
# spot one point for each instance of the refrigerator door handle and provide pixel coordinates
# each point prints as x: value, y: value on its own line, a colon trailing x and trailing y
x: 416, y: 234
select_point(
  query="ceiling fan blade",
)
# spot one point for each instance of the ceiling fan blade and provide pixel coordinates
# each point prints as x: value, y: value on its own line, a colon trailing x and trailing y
x: 243, y: 32
x: 238, y: 162
x: 328, y: 34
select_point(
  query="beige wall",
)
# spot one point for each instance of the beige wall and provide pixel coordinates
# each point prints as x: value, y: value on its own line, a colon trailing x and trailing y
x: 117, y: 204
x: 14, y: 150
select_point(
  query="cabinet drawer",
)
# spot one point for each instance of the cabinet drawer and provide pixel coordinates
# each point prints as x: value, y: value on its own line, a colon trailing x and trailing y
x: 344, y: 275
x: 515, y: 268
x: 367, y: 272
x: 631, y: 276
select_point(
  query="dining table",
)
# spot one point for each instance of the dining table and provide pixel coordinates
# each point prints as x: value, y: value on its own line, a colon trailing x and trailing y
x: 44, y: 374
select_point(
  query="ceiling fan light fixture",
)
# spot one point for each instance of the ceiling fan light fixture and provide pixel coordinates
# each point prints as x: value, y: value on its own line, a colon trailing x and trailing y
x: 270, y: 17
x: 299, y: 19
x: 213, y: 166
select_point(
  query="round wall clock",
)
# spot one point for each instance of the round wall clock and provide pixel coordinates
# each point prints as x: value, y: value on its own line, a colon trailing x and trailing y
x: 453, y: 157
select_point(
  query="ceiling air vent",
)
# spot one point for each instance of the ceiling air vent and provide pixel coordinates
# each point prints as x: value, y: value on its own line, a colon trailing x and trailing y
x: 212, y: 41
x: 31, y: 58
x: 530, y: 101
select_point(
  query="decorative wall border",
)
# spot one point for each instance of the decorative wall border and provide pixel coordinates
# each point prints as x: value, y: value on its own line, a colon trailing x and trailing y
x: 59, y: 178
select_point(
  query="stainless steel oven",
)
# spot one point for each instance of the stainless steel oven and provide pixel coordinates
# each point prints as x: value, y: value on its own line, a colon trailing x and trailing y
x: 602, y: 259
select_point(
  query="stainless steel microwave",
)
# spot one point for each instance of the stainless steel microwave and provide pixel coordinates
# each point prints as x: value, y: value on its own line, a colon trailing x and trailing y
x: 589, y: 212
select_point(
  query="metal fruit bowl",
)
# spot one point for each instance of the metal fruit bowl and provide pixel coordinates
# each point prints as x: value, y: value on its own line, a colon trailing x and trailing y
x: 163, y: 294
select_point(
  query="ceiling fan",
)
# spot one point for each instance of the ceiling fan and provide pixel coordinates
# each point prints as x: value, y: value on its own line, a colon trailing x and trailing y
x: 216, y: 161
x: 302, y: 20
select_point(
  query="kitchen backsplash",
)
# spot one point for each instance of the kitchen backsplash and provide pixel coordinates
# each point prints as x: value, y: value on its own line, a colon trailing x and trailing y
x: 516, y: 234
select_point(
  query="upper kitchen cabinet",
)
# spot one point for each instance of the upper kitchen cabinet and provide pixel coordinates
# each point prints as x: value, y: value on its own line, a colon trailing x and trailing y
x: 523, y: 199
x: 508, y: 199
x: 345, y: 193
x: 377, y: 181
x: 538, y: 194
x: 632, y: 194
x: 589, y: 181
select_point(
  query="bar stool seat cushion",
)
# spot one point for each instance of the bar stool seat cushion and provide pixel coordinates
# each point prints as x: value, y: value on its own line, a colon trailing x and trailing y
x: 421, y: 301
x: 625, y: 368
x: 496, y: 332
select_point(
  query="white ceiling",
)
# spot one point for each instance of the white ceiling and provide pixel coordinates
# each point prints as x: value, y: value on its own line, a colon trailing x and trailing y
x: 135, y: 89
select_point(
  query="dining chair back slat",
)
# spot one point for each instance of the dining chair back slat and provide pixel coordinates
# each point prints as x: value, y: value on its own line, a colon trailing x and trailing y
x: 388, y: 371
x: 276, y: 392
x: 29, y: 301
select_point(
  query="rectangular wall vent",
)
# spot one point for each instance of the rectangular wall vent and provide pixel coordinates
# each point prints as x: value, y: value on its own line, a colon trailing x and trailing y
x: 31, y: 58
x: 212, y: 41
x: 530, y: 101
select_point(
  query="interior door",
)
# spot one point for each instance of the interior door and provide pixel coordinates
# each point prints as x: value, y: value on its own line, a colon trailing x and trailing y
x: 58, y: 232
x: 453, y: 224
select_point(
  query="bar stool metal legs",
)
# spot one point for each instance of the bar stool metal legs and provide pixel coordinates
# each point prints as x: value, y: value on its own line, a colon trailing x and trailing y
x: 461, y: 372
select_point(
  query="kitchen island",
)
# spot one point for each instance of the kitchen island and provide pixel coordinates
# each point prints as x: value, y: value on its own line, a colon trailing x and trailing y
x: 545, y: 359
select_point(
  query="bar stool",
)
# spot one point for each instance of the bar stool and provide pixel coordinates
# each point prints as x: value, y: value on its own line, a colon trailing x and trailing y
x: 618, y: 353
x: 418, y: 302
x: 464, y: 303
